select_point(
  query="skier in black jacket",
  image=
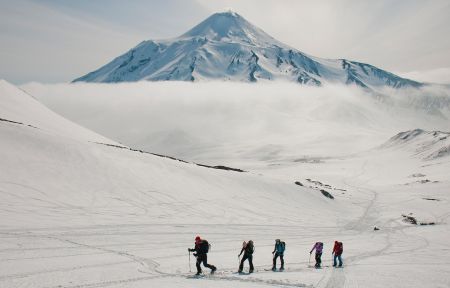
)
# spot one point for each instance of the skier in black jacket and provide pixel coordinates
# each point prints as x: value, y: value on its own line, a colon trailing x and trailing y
x: 201, y: 252
x: 248, y: 248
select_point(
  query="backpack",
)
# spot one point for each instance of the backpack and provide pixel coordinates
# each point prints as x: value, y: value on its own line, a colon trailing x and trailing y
x: 204, y: 247
x: 249, y: 248
x: 281, y: 247
x: 339, y: 248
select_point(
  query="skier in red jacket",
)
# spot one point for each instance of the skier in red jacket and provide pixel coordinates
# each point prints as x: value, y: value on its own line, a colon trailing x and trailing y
x: 337, y: 252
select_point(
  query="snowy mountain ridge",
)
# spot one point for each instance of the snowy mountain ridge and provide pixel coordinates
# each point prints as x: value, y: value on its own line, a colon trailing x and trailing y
x: 428, y: 145
x: 227, y: 47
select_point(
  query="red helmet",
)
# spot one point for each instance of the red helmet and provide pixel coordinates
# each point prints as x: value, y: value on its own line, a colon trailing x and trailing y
x: 197, y: 238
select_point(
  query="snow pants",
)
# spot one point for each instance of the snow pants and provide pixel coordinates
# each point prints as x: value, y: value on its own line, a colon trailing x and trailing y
x: 250, y: 262
x: 338, y: 257
x: 203, y: 258
x: 275, y: 260
x: 318, y: 259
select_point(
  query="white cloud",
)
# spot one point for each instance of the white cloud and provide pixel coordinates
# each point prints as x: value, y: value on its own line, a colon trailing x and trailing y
x: 440, y: 75
x: 208, y: 121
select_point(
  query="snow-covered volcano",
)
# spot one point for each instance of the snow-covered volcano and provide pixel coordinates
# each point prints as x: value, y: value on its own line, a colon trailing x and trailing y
x: 225, y: 46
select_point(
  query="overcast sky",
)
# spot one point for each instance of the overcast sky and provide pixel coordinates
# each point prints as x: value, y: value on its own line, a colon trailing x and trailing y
x: 59, y: 40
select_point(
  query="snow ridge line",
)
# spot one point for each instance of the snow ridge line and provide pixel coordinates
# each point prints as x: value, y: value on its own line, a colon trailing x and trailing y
x: 219, y: 167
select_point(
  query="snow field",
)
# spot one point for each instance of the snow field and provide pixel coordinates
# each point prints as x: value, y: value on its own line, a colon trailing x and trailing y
x: 75, y: 213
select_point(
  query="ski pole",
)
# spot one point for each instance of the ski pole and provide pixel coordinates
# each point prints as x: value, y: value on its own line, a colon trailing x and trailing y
x: 189, y: 261
x: 309, y: 261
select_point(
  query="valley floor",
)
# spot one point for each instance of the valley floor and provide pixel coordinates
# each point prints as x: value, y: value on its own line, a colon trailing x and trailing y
x: 155, y: 254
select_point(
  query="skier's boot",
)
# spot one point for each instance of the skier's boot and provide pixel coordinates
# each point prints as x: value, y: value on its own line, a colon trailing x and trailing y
x: 282, y: 268
x: 274, y: 268
x: 213, y: 269
x: 250, y: 271
x: 198, y: 273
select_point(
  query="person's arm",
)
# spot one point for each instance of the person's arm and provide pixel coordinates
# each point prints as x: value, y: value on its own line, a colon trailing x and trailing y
x: 274, y: 248
x: 314, y: 247
x: 193, y: 249
x: 242, y: 250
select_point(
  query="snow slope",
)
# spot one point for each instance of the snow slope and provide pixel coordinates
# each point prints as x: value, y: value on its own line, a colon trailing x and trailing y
x: 225, y: 46
x: 74, y: 213
x: 425, y: 144
x: 18, y: 106
x: 60, y: 194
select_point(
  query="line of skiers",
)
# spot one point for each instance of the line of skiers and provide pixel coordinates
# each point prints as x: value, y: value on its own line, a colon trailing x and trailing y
x: 338, y: 249
x: 202, y: 247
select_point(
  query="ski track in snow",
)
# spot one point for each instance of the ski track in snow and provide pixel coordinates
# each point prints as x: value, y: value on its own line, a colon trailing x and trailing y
x: 109, y: 217
x: 128, y: 252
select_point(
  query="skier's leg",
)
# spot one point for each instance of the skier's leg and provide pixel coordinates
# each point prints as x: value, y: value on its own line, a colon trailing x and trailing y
x: 320, y: 259
x: 205, y: 263
x: 197, y: 264
x: 241, y: 266
x: 250, y: 262
x: 275, y: 256
x: 340, y: 260
x: 282, y: 261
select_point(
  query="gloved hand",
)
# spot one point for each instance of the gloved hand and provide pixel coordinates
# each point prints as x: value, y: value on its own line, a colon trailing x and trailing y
x: 195, y: 254
x: 273, y: 252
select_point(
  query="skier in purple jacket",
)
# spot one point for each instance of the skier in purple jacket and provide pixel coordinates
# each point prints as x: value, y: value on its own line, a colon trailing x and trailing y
x: 318, y: 247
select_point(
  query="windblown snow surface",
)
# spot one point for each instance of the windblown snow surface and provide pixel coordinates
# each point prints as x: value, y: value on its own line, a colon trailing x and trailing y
x: 78, y: 213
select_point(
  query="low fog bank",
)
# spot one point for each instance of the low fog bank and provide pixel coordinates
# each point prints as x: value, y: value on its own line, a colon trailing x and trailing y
x: 232, y: 122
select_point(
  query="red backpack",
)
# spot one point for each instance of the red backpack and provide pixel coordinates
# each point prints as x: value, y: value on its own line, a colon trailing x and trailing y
x: 339, y: 248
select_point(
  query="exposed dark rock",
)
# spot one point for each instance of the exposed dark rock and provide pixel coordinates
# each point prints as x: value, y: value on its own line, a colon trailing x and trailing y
x: 221, y: 167
x: 6, y: 120
x: 326, y: 194
x: 409, y: 219
x: 431, y: 199
x: 426, y: 223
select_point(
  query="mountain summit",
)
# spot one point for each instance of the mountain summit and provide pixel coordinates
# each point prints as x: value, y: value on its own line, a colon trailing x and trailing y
x: 230, y: 27
x: 227, y: 47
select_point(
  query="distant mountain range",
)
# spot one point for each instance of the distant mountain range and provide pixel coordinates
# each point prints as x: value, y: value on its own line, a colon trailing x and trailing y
x: 227, y: 47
